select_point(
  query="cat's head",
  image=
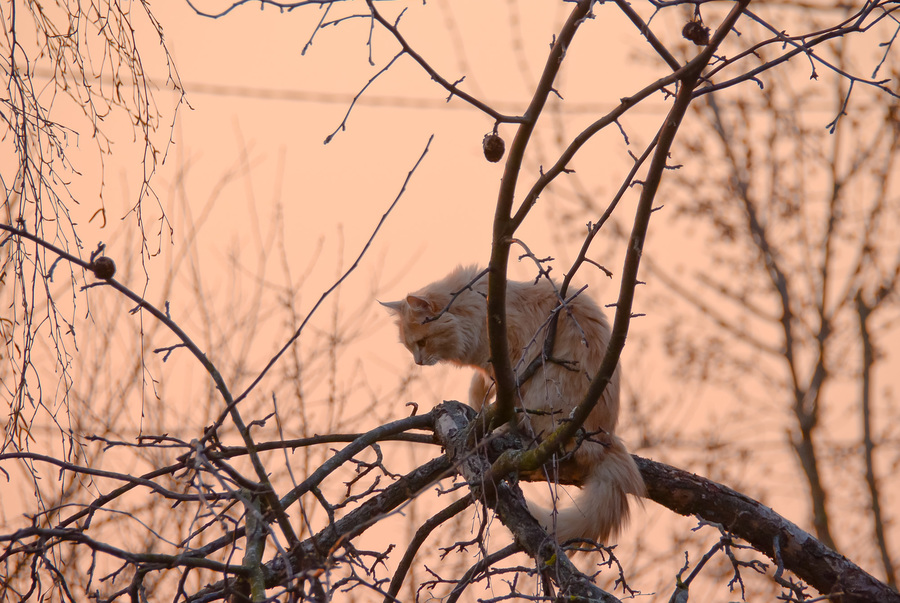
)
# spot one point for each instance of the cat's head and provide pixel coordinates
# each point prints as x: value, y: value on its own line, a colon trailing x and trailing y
x: 428, y: 331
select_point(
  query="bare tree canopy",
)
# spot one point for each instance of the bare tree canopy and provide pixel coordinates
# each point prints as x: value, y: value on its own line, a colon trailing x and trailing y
x: 179, y: 433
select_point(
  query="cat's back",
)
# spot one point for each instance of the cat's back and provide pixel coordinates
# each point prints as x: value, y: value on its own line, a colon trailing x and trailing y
x: 543, y: 296
x: 530, y: 302
x: 530, y: 305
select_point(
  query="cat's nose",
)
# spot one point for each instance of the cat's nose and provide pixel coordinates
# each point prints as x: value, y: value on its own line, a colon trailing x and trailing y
x: 423, y: 359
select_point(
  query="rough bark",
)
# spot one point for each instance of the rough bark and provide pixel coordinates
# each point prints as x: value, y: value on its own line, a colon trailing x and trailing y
x: 452, y: 421
x: 828, y: 572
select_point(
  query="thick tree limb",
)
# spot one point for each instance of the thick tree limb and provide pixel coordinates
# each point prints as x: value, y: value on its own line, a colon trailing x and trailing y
x: 685, y: 493
x: 800, y: 553
x: 452, y: 422
x: 310, y: 557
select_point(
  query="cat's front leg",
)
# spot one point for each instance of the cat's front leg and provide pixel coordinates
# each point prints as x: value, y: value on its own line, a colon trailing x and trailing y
x: 481, y: 390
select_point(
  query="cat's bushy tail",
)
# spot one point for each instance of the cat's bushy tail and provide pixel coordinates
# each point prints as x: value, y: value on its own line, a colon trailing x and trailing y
x: 602, y: 507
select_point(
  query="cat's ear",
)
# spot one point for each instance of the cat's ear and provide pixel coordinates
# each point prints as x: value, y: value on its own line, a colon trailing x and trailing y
x: 396, y: 306
x: 419, y: 304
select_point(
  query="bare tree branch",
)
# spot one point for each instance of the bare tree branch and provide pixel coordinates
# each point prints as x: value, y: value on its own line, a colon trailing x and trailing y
x: 825, y: 570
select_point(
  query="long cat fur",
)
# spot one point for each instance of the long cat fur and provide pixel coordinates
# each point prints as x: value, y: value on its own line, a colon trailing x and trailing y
x: 459, y: 336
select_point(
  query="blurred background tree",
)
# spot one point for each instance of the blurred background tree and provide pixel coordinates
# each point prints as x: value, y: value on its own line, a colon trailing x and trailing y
x: 796, y: 289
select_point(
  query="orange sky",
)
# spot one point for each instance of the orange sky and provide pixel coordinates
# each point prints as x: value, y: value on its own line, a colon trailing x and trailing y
x: 252, y: 142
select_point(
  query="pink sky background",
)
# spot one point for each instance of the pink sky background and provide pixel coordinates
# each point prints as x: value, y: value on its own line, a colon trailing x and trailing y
x: 247, y: 164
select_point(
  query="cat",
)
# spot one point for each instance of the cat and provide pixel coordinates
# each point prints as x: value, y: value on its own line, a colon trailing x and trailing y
x: 434, y: 332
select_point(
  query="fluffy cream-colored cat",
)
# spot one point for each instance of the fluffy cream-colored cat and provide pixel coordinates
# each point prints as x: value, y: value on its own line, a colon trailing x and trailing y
x: 459, y: 336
